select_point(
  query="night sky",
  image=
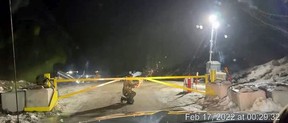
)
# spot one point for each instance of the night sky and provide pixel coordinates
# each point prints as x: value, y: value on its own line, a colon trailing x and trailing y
x: 117, y: 36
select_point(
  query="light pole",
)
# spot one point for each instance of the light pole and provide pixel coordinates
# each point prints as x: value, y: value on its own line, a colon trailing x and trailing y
x: 215, y: 24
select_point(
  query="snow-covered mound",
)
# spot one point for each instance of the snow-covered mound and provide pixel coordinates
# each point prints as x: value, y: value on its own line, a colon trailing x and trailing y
x: 265, y: 105
x: 23, y: 118
x: 270, y: 76
x: 273, y: 72
x: 6, y: 86
x: 27, y: 117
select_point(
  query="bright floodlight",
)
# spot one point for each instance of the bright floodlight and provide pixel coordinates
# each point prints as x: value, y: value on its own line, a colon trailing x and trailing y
x: 212, y: 18
x: 214, y: 21
x: 215, y: 24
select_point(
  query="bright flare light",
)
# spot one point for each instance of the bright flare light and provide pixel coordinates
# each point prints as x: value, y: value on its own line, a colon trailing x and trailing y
x: 70, y: 72
x: 215, y: 25
x: 214, y: 21
x: 212, y: 18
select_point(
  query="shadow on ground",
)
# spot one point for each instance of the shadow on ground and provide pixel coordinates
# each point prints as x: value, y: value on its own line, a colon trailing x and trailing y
x: 99, y: 111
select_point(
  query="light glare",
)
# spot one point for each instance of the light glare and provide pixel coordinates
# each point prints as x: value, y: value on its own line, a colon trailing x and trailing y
x: 199, y: 26
x: 214, y: 21
x: 215, y: 24
x: 212, y: 18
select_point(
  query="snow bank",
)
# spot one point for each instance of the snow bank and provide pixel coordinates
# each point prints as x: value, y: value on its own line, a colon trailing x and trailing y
x: 181, y: 100
x: 273, y: 71
x: 23, y: 118
x: 193, y: 108
x: 9, y: 85
x: 265, y: 105
x: 29, y: 117
x: 266, y: 76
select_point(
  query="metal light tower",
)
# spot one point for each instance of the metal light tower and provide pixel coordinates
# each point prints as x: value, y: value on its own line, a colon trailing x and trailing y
x: 215, y: 24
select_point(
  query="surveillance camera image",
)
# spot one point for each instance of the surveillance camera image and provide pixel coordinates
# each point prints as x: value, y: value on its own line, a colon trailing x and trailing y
x: 144, y: 61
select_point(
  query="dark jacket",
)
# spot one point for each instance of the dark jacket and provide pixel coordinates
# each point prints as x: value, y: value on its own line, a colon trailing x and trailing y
x: 128, y: 85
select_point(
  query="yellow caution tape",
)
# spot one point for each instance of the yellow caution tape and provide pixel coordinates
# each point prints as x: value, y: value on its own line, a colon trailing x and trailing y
x: 208, y: 90
x: 175, y: 86
x: 87, y: 89
x: 181, y: 87
x: 127, y: 78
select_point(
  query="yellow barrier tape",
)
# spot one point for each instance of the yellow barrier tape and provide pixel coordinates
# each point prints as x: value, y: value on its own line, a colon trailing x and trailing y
x: 175, y: 86
x: 127, y: 78
x: 180, y: 87
x: 208, y: 91
x: 87, y: 89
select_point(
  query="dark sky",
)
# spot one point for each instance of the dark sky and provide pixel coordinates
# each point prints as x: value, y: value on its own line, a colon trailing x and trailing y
x: 116, y: 36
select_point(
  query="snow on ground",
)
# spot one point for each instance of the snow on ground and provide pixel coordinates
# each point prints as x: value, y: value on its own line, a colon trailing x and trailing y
x: 275, y: 71
x: 152, y: 96
x: 265, y: 105
x: 216, y: 104
x: 105, y: 100
x: 167, y: 98
x: 6, y: 86
x: 269, y: 76
x: 7, y: 118
x: 73, y: 103
x: 27, y: 117
x: 184, y: 101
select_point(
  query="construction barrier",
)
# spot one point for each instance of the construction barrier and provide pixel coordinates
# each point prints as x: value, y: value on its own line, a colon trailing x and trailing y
x: 52, y: 104
x: 53, y: 83
x: 86, y: 89
x: 212, y: 75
